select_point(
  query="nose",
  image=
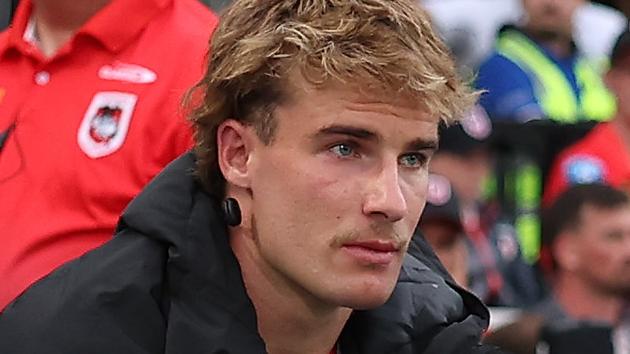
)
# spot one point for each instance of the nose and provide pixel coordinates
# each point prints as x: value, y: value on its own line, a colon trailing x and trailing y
x: 384, y: 196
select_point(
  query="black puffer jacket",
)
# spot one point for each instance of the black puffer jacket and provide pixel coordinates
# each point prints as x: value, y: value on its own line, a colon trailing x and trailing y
x: 169, y: 283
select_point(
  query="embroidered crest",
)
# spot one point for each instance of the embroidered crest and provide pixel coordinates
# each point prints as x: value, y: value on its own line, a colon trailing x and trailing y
x: 105, y: 124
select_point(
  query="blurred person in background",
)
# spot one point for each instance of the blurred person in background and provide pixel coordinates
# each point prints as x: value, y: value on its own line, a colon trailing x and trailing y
x: 538, y: 73
x: 441, y: 226
x: 603, y: 155
x: 89, y: 112
x: 469, y: 26
x: 587, y: 233
x: 465, y: 158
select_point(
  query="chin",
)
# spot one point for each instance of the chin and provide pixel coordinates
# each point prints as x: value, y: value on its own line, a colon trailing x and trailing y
x: 366, y: 297
x: 367, y: 303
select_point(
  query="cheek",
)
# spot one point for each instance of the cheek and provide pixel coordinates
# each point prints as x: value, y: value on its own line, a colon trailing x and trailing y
x: 306, y: 192
x: 415, y: 192
x: 600, y: 255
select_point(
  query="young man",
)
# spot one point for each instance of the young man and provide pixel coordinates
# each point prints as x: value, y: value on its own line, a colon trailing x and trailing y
x: 315, y: 124
x: 90, y: 93
x: 587, y: 232
x: 589, y: 225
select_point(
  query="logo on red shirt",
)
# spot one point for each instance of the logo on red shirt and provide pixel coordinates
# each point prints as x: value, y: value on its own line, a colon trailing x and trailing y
x: 128, y: 73
x: 583, y: 169
x: 106, y: 122
x: 104, y: 126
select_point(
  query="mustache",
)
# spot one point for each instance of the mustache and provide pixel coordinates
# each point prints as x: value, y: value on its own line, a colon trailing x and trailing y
x: 382, y: 231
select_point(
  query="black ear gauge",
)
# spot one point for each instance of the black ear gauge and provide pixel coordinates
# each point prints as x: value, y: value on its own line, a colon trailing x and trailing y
x: 232, y: 212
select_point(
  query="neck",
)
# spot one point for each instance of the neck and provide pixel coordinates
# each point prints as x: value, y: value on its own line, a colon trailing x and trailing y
x: 581, y: 301
x: 290, y: 320
x: 58, y: 20
x: 559, y: 45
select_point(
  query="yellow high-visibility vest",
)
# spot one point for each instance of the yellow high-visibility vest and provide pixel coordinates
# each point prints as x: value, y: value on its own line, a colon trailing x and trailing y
x: 552, y: 88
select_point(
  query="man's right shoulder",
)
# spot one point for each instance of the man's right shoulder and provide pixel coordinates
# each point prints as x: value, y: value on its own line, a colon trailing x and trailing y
x: 110, y: 299
x: 499, y: 74
x: 497, y: 62
x: 509, y: 90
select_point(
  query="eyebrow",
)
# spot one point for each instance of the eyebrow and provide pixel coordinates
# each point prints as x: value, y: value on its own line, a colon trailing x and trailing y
x: 361, y: 133
x: 355, y: 132
x: 422, y: 144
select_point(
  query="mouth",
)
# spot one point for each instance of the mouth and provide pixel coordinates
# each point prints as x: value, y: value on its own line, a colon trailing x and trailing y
x: 375, y: 252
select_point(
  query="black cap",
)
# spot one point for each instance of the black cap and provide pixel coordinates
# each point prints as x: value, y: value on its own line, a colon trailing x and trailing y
x: 442, y: 203
x: 621, y: 48
x: 471, y: 133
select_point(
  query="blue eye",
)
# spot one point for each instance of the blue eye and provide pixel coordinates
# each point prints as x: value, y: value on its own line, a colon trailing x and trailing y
x: 342, y: 150
x: 413, y: 160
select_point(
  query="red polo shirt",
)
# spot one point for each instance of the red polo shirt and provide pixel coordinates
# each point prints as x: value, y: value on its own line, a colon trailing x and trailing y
x: 601, y: 156
x: 89, y: 127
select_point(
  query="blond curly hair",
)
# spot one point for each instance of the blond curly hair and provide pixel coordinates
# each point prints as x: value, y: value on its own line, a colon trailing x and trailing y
x: 389, y: 44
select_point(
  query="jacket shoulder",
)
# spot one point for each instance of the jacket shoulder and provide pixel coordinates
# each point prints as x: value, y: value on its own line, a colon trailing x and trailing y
x: 427, y: 313
x: 107, y: 301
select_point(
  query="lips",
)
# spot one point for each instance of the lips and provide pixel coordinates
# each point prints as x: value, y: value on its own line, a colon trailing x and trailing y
x: 372, y: 252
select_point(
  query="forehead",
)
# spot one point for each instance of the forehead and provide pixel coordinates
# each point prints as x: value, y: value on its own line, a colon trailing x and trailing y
x: 311, y: 107
x: 360, y: 93
x: 606, y: 217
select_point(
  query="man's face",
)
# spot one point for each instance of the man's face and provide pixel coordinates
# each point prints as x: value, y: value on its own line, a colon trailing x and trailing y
x: 337, y: 194
x: 551, y: 18
x: 603, y: 248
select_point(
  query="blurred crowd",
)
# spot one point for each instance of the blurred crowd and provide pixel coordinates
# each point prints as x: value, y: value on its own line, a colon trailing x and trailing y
x: 527, y: 204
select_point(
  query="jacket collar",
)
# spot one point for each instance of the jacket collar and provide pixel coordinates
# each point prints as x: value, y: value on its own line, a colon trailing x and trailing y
x: 208, y: 302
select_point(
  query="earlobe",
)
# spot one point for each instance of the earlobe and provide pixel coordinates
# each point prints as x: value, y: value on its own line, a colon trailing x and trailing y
x: 234, y: 149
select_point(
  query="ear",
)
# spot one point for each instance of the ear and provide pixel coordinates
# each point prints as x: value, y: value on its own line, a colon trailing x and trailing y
x: 565, y: 251
x: 234, y: 145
